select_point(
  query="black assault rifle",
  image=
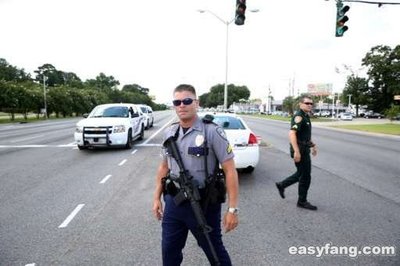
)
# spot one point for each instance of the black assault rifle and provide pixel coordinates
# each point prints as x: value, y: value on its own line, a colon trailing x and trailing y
x: 190, y: 191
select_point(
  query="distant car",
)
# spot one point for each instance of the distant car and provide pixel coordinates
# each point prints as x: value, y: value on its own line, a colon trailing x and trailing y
x: 373, y: 115
x: 242, y: 139
x: 117, y: 124
x: 346, y: 116
x: 148, y: 114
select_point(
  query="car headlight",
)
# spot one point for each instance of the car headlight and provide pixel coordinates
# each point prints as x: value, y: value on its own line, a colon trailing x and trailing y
x: 119, y: 129
x: 79, y: 129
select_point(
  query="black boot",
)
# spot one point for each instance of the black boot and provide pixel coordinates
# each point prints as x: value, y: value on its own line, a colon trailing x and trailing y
x: 280, y: 189
x: 306, y: 205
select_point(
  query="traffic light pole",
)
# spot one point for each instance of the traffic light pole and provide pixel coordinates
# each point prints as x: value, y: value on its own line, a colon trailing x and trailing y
x: 226, y: 66
x: 227, y: 23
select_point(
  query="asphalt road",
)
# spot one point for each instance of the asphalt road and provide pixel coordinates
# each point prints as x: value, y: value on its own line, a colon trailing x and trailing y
x: 62, y: 206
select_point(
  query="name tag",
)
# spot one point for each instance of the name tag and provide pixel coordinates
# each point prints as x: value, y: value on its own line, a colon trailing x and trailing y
x: 198, y: 151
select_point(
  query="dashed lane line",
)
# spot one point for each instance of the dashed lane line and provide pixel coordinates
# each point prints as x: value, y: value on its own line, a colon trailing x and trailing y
x: 71, y: 216
x: 105, y: 179
x: 122, y: 162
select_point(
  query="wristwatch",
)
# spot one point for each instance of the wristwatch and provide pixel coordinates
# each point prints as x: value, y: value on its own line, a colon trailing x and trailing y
x: 233, y: 210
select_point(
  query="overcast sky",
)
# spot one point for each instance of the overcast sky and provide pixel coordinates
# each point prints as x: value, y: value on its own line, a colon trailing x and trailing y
x: 159, y: 44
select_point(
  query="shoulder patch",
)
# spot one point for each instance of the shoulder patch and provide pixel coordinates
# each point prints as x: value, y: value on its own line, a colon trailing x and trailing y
x: 298, y: 119
x: 229, y: 149
x: 221, y: 132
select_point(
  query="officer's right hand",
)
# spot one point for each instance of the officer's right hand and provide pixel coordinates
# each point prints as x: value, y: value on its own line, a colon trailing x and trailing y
x: 296, y: 157
x: 157, y: 209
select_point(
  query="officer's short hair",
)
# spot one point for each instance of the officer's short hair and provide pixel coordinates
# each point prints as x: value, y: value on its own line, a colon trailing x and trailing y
x: 185, y: 87
x: 305, y: 96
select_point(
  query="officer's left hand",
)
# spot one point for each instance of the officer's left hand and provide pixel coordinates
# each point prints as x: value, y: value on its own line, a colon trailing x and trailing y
x: 230, y: 221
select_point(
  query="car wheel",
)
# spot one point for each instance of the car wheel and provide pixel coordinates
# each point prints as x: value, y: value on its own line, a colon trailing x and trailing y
x: 129, y: 140
x: 147, y: 124
x: 152, y: 122
x: 82, y: 147
x: 141, y: 137
x: 248, y: 170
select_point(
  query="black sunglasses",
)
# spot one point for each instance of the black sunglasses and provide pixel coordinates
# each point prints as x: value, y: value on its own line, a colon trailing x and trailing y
x: 308, y: 103
x: 186, y: 101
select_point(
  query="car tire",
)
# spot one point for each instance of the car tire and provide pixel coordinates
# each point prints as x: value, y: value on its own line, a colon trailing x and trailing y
x: 249, y: 169
x: 152, y: 122
x: 82, y: 147
x: 141, y: 136
x: 129, y: 140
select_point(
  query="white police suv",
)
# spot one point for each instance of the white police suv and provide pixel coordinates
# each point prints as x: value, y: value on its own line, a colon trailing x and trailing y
x: 116, y: 124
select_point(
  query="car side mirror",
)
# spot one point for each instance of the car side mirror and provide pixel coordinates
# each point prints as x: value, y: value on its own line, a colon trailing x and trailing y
x: 85, y: 115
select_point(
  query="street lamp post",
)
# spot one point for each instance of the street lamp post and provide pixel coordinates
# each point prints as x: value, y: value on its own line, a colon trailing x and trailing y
x: 44, y: 96
x: 227, y: 23
x: 349, y: 100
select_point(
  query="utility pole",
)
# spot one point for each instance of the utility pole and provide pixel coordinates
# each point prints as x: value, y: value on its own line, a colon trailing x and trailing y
x: 44, y: 96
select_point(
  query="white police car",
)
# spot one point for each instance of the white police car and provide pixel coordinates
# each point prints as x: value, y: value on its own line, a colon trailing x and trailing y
x: 242, y: 139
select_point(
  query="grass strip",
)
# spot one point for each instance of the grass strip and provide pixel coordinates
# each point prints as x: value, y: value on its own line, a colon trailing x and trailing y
x: 388, y: 128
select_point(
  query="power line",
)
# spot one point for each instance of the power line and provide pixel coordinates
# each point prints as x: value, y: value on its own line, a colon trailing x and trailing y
x: 372, y: 2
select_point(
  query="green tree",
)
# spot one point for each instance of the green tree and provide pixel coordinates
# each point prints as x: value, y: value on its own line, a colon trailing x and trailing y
x: 289, y: 104
x: 103, y: 83
x: 72, y: 80
x: 216, y: 95
x: 393, y: 112
x: 384, y: 75
x: 53, y: 76
x: 12, y: 73
x: 357, y: 87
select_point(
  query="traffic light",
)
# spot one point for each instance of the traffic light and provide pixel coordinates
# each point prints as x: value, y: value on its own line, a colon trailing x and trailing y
x: 341, y: 19
x: 240, y: 10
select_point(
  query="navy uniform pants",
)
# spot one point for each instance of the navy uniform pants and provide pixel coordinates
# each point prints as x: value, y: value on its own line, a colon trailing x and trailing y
x: 176, y: 223
x: 302, y: 175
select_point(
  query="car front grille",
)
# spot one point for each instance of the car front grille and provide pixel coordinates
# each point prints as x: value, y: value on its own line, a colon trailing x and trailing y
x: 97, y: 130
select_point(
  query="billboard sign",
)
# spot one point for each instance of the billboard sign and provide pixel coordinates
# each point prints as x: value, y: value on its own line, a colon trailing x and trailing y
x: 319, y: 89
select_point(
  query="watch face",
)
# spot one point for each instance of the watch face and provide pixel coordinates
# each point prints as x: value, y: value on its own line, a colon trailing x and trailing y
x: 233, y: 210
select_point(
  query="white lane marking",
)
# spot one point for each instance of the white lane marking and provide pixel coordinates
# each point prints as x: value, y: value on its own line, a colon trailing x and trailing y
x: 23, y: 146
x: 71, y: 216
x: 30, y: 264
x: 134, y: 151
x: 149, y: 145
x: 105, y: 179
x: 122, y: 162
x: 72, y: 144
x: 158, y: 131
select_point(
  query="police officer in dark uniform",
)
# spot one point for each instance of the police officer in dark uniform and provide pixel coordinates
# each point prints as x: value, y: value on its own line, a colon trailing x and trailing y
x: 196, y: 141
x: 300, y: 145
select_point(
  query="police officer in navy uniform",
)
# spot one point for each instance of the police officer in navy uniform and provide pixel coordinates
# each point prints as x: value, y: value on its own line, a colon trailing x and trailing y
x: 192, y: 133
x: 300, y: 145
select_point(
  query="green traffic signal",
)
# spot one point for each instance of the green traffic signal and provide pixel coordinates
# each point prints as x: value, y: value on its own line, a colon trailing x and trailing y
x: 341, y: 19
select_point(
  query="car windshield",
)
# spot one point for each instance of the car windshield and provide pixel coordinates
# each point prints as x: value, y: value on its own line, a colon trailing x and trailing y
x: 113, y: 111
x: 228, y: 122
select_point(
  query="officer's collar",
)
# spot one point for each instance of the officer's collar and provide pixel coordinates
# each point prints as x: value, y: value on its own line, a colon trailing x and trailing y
x: 304, y: 113
x: 198, y: 125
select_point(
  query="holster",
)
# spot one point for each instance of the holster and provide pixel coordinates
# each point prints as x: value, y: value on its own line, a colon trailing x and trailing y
x: 216, y: 188
x: 169, y: 186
